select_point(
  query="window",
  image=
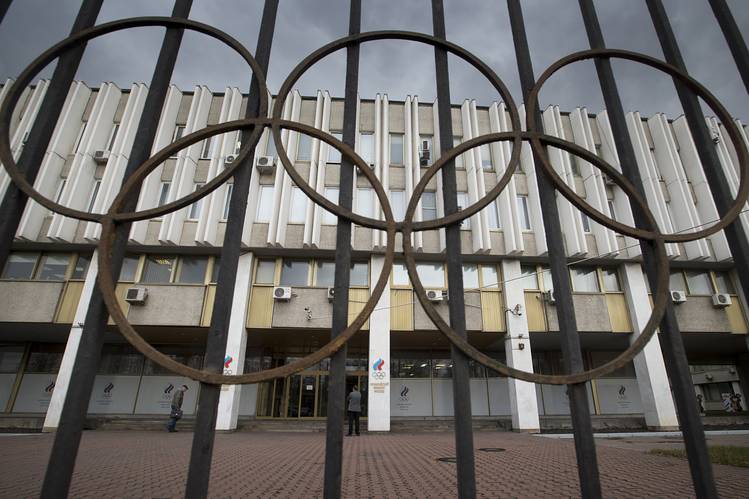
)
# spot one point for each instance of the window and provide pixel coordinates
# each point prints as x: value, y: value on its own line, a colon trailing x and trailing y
x: 331, y: 194
x: 113, y: 136
x: 192, y: 269
x: 463, y: 204
x: 612, y: 211
x: 410, y: 368
x: 429, y: 205
x: 265, y: 272
x: 574, y: 165
x: 396, y: 149
x: 523, y: 215
x: 584, y: 279
x: 264, y: 204
x: 490, y: 277
x: 334, y: 155
x: 81, y: 267
x: 207, y: 151
x: 197, y: 207
x: 164, y: 193
x: 294, y: 272
x: 158, y: 269
x: 400, y: 275
x: 470, y: 276
x: 586, y: 223
x: 304, y: 148
x: 398, y: 203
x: 129, y: 267
x: 215, y: 270
x: 324, y: 274
x: 676, y: 281
x: 298, y: 207
x: 724, y: 283
x: 45, y: 358
x: 432, y: 275
x: 547, y: 280
x: 443, y: 368
x: 20, y: 266
x: 425, y: 150
x: 492, y: 215
x: 459, y: 162
x: 270, y: 148
x: 611, y: 280
x: 179, y: 131
x: 60, y: 189
x: 359, y: 275
x: 699, y: 283
x: 227, y: 201
x: 94, y: 193
x: 79, y: 139
x: 365, y: 202
x: 53, y: 267
x: 486, y: 157
x: 528, y: 277
x: 366, y: 147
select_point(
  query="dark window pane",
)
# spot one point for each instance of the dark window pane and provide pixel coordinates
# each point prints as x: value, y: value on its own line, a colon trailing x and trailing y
x: 53, y: 267
x: 129, y: 267
x: 81, y: 267
x: 359, y: 274
x: 294, y: 273
x: 20, y: 266
x: 158, y: 269
x: 192, y: 269
x: 325, y: 274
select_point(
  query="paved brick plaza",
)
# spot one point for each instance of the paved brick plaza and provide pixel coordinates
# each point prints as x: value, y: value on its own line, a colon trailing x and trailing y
x: 151, y: 464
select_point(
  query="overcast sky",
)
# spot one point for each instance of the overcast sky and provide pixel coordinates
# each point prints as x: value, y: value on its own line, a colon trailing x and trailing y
x: 397, y: 68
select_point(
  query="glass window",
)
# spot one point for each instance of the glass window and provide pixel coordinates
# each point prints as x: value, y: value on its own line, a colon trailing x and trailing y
x: 366, y: 147
x: 410, y: 368
x: 192, y: 269
x: 396, y: 149
x: 523, y: 215
x: 45, y: 358
x: 216, y: 269
x: 490, y: 277
x: 425, y: 150
x: 365, y: 202
x: 459, y: 161
x: 206, y: 151
x: 331, y: 194
x: 60, y: 190
x: 10, y: 358
x: 599, y: 358
x: 334, y: 155
x: 486, y: 157
x: 81, y: 267
x: 265, y: 272
x: 492, y: 212
x: 699, y: 283
x: 432, y: 275
x: 94, y: 193
x: 325, y: 274
x: 528, y: 277
x: 462, y: 204
x: 429, y: 205
x: 470, y: 276
x: 158, y: 269
x: 298, y: 208
x: 359, y: 274
x: 129, y: 267
x: 120, y: 360
x: 270, y: 148
x: 574, y: 165
x: 724, y: 282
x: 443, y: 368
x: 227, y: 201
x: 179, y: 131
x: 612, y: 211
x: 400, y: 275
x: 264, y: 204
x: 20, y: 266
x: 53, y: 267
x: 164, y: 193
x: 113, y: 136
x: 398, y: 203
x: 79, y: 138
x: 676, y: 281
x: 611, y: 280
x: 304, y: 147
x: 294, y: 272
x: 584, y: 279
x: 586, y: 222
x: 197, y: 206
x: 547, y: 280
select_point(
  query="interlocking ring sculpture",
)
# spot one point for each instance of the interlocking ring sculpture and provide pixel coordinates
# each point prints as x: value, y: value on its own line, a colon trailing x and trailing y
x: 539, y: 142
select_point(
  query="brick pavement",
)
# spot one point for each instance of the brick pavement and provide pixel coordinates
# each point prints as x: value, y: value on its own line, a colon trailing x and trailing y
x: 151, y: 464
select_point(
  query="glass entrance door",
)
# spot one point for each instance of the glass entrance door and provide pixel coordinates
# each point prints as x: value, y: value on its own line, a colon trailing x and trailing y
x: 303, y: 395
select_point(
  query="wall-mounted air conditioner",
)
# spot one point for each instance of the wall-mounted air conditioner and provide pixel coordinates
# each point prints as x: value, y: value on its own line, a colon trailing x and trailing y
x: 721, y: 300
x: 435, y: 295
x: 265, y: 164
x: 230, y: 158
x: 282, y: 293
x: 678, y: 296
x: 136, y: 296
x: 331, y: 294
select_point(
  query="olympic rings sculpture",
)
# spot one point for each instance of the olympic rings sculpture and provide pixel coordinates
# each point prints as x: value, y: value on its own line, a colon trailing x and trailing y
x: 539, y: 142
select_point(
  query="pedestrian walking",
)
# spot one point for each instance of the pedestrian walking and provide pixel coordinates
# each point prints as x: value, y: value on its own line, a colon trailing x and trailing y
x: 354, y: 409
x: 176, y: 412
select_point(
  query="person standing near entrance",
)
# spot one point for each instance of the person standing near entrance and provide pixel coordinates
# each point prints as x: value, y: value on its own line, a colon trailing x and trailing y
x: 354, y: 409
x: 176, y: 413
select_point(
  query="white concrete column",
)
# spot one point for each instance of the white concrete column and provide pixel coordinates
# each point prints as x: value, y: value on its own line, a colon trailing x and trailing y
x: 523, y: 402
x: 378, y: 412
x: 228, y: 403
x: 650, y: 369
x: 52, y: 418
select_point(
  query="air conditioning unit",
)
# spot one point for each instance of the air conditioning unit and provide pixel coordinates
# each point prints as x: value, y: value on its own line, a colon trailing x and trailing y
x: 136, y: 296
x: 721, y: 300
x: 331, y: 294
x: 265, y: 164
x: 435, y: 295
x: 101, y: 157
x: 678, y: 296
x: 549, y: 297
x: 282, y: 293
x: 230, y: 158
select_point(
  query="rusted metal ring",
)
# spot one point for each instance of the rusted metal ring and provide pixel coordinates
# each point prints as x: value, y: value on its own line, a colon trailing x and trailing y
x: 693, y: 85
x: 25, y: 78
x: 659, y: 307
x: 358, y: 39
x: 107, y: 285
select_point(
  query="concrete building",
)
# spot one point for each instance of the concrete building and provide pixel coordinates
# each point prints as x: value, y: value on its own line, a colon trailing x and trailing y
x: 290, y: 244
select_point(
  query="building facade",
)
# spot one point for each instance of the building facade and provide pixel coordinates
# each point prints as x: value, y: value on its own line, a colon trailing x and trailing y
x: 282, y: 302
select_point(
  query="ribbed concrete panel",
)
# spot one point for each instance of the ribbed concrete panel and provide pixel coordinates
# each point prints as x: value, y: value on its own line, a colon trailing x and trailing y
x: 472, y: 163
x: 319, y: 160
x: 413, y: 169
x: 119, y: 156
x: 283, y: 180
x: 482, y: 216
x: 621, y: 202
x: 312, y: 220
x: 225, y: 144
x: 650, y: 178
x: 149, y: 191
x: 382, y: 162
x: 534, y: 199
x: 82, y: 177
x: 48, y: 181
x: 501, y: 151
x: 437, y: 141
x: 183, y: 181
x: 683, y: 212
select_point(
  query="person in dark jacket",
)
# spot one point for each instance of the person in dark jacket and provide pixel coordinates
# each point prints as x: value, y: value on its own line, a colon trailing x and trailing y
x: 354, y: 409
x: 176, y: 413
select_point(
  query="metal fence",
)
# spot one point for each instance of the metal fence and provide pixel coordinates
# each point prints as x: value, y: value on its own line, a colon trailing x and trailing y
x: 116, y: 222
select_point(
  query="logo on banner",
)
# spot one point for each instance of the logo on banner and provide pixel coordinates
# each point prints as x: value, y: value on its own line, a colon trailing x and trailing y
x: 622, y: 390
x: 377, y: 369
x: 108, y: 389
x: 227, y: 363
x: 169, y: 389
x: 404, y: 392
x: 50, y: 387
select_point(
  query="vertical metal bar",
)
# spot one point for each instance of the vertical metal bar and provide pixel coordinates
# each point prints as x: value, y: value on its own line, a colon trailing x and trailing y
x: 674, y: 354
x: 337, y: 380
x: 68, y: 436
x: 587, y: 465
x: 205, y: 422
x: 4, y: 5
x: 33, y: 152
x: 456, y: 304
x: 731, y: 32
